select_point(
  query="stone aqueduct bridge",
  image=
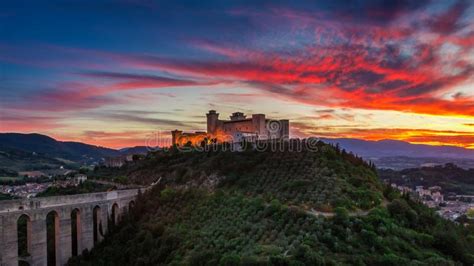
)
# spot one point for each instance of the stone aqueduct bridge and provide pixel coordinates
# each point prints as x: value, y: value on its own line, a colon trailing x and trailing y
x: 92, y: 214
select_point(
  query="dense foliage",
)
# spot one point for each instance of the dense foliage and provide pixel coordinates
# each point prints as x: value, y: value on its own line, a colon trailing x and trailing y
x: 5, y: 196
x: 258, y: 208
x: 449, y: 177
x: 196, y: 227
x: 84, y: 187
x: 321, y: 179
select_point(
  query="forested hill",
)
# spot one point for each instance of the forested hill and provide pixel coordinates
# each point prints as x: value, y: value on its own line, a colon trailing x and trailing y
x: 274, y: 208
x: 449, y: 177
x: 319, y: 179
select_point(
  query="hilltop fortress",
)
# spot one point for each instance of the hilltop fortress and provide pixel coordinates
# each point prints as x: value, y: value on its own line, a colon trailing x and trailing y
x: 237, y: 129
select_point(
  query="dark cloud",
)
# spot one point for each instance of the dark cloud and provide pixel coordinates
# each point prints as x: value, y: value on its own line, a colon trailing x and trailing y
x: 393, y: 85
x: 136, y: 77
x: 421, y: 89
x: 358, y: 79
x: 448, y: 21
x: 325, y: 111
x: 141, y: 112
x: 367, y: 77
x: 373, y: 10
x: 127, y: 118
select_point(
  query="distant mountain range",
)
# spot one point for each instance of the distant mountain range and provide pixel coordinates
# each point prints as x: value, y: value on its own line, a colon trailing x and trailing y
x: 399, y: 155
x: 25, y: 152
x: 47, y: 146
x: 394, y: 148
x: 34, y: 151
x: 135, y: 150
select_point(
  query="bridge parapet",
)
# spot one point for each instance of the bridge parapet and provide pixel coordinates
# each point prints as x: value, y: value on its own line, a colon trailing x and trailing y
x: 7, y: 206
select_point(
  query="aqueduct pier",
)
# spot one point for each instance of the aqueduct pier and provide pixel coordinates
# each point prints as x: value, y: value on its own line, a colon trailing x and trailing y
x: 80, y: 221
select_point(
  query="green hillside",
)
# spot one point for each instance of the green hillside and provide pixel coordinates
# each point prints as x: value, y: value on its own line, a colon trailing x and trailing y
x: 322, y: 180
x: 12, y: 161
x: 274, y: 208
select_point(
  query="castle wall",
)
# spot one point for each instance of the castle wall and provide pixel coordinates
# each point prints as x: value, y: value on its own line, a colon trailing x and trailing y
x: 240, y: 126
x: 258, y: 121
x: 285, y: 129
x: 257, y: 127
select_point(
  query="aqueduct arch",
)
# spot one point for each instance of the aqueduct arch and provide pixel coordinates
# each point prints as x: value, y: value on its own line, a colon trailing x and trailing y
x: 52, y: 237
x: 97, y: 224
x: 131, y: 205
x: 114, y: 216
x: 23, y: 225
x: 76, y: 232
x: 24, y: 236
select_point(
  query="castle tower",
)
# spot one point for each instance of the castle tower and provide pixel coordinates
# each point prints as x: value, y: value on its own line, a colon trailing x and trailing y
x: 175, y: 135
x: 258, y: 122
x: 285, y: 129
x: 212, y: 121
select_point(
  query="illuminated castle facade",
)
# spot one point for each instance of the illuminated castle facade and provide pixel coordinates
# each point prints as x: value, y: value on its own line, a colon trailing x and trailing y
x: 237, y: 129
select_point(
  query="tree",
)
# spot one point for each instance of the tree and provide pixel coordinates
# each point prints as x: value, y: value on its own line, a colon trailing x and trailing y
x: 341, y: 216
x: 470, y: 213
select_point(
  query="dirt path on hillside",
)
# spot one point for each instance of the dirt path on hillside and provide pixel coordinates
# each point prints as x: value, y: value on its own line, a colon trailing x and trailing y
x: 117, y: 185
x: 350, y: 213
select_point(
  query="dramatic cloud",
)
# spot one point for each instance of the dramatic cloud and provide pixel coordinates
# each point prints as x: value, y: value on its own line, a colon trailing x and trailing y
x: 355, y: 81
x: 410, y: 57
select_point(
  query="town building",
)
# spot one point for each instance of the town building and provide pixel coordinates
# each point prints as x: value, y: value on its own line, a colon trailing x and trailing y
x: 237, y: 129
x: 437, y: 197
x: 31, y: 174
x: 118, y: 161
x: 422, y: 192
x: 79, y: 178
x: 114, y: 161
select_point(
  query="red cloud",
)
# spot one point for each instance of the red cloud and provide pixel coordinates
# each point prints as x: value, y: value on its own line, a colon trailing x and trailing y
x: 336, y: 79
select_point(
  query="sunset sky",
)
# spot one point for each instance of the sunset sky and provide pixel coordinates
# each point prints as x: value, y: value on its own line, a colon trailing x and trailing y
x: 111, y: 73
